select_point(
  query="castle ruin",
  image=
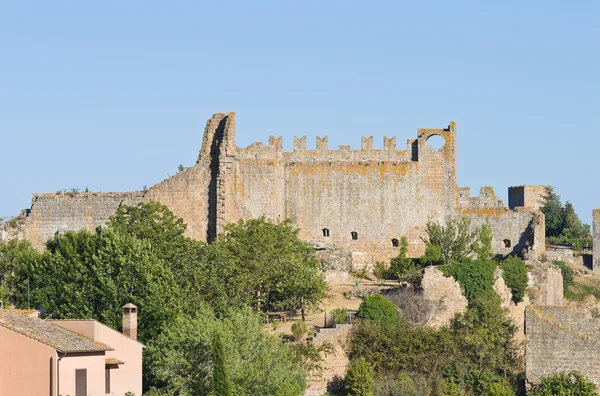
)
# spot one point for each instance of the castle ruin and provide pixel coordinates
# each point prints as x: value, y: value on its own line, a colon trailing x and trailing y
x: 363, y: 201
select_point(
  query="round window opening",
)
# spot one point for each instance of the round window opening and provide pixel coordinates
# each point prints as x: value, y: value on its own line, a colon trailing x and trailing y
x: 436, y: 142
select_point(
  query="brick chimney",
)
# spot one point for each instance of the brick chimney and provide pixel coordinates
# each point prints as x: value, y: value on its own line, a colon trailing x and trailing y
x: 130, y: 321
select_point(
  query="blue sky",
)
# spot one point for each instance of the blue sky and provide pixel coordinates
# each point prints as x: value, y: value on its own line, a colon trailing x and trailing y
x: 115, y: 95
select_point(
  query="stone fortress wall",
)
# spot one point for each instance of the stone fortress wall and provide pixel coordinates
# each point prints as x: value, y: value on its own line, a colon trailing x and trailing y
x: 561, y: 339
x: 361, y: 200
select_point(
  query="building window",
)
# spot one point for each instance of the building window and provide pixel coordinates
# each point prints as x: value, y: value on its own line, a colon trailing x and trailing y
x: 325, y: 232
x: 395, y: 242
x: 354, y: 235
x: 507, y: 243
x: 107, y: 380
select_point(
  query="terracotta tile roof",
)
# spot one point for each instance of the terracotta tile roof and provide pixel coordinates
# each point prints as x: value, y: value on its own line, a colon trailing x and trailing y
x: 43, y: 331
x: 113, y: 361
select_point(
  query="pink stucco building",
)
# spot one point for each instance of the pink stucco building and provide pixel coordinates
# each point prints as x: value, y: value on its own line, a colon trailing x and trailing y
x: 68, y: 357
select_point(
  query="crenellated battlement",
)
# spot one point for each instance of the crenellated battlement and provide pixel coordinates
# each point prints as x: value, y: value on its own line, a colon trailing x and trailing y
x: 367, y: 152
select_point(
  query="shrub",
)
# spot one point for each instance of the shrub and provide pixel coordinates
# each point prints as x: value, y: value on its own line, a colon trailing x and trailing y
x: 433, y: 255
x: 562, y: 384
x: 514, y: 274
x: 378, y: 309
x: 380, y: 270
x: 476, y: 278
x: 299, y: 330
x: 359, y: 379
x: 567, y: 274
x: 338, y: 316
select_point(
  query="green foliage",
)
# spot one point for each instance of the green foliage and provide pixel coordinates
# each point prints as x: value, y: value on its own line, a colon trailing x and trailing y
x: 562, y: 384
x: 476, y: 278
x: 380, y: 270
x: 578, y: 244
x: 567, y: 274
x: 483, y: 247
x: 180, y: 168
x: 455, y: 240
x: 553, y: 212
x: 339, y: 316
x: 16, y: 257
x: 299, y: 330
x: 221, y: 382
x: 378, y: 309
x: 404, y: 268
x: 563, y: 226
x: 359, y: 378
x: 433, y: 254
x: 84, y: 275
x: 475, y: 354
x: 259, y: 364
x: 264, y: 265
x: 514, y: 274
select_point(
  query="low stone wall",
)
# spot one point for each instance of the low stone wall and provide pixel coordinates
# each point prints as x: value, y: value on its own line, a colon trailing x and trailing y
x: 561, y: 339
x: 559, y: 253
x: 337, y: 262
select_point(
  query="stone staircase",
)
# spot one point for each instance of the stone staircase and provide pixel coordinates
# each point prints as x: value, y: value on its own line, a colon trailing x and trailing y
x: 334, y: 365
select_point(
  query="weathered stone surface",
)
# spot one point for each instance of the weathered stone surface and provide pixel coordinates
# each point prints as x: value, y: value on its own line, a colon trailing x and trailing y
x: 337, y: 262
x: 526, y: 196
x: 561, y: 339
x: 443, y: 296
x: 546, y: 284
x: 515, y: 311
x: 357, y: 200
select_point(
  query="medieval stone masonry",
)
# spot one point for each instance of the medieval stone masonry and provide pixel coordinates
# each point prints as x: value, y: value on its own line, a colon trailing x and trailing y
x: 561, y: 339
x: 596, y: 241
x: 361, y: 200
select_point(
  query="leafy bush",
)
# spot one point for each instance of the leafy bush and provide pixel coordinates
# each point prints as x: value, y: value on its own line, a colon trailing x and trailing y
x: 433, y: 255
x: 380, y: 270
x: 299, y: 330
x: 562, y: 384
x: 483, y: 247
x: 514, y: 274
x: 359, y: 378
x: 338, y: 316
x: 476, y: 278
x: 472, y: 355
x: 578, y: 244
x: 567, y: 274
x: 378, y: 309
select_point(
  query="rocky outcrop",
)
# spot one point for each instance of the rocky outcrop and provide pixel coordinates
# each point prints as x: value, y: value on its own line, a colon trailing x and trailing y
x: 444, y: 297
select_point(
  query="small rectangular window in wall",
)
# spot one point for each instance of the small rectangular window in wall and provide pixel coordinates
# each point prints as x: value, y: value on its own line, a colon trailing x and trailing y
x: 107, y: 380
x: 81, y: 382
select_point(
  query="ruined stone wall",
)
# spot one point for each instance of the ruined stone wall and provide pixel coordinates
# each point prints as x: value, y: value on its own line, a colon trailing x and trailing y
x: 520, y: 232
x: 366, y: 200
x: 561, y: 339
x: 596, y: 233
x: 60, y: 212
x: 526, y: 197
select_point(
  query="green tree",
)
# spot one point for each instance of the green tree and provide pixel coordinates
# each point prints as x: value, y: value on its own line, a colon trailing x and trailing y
x: 259, y: 363
x: 483, y: 246
x: 84, y: 275
x: 15, y: 256
x: 562, y: 384
x: 572, y: 227
x: 476, y: 278
x: 359, y: 378
x: 266, y: 266
x: 514, y: 274
x: 378, y: 309
x: 433, y: 255
x: 454, y: 239
x: 380, y: 270
x: 553, y: 212
x: 221, y: 381
x: 403, y: 267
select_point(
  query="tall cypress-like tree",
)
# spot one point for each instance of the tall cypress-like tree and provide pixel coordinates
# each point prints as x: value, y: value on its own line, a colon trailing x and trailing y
x: 553, y: 211
x: 221, y: 380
